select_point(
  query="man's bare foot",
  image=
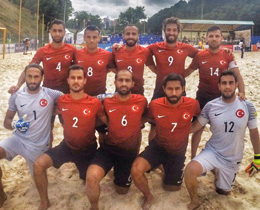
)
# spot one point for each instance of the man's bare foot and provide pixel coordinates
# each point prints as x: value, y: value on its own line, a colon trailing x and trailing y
x: 148, y: 202
x: 194, y: 205
x: 3, y: 197
x: 94, y: 207
x: 44, y: 206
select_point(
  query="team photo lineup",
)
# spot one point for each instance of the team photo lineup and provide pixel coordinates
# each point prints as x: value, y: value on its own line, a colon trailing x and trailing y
x: 103, y: 124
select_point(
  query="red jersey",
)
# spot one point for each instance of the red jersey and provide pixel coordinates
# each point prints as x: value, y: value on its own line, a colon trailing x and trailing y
x: 96, y: 66
x: 170, y: 59
x: 124, y: 127
x: 210, y: 66
x: 134, y: 60
x: 56, y: 63
x: 173, y: 123
x: 79, y: 119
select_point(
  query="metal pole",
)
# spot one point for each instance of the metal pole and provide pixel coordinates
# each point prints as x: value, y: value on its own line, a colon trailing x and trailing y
x: 37, y: 28
x: 201, y: 9
x: 65, y: 5
x: 4, y: 44
x: 19, y: 27
x: 42, y: 29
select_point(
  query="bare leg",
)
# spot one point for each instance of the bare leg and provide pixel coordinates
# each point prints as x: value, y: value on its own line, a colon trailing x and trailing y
x: 94, y: 175
x: 192, y: 171
x: 121, y: 190
x: 3, y: 196
x: 41, y: 164
x: 140, y: 166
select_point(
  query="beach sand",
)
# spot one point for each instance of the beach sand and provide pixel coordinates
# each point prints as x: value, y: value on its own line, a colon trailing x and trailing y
x: 66, y: 190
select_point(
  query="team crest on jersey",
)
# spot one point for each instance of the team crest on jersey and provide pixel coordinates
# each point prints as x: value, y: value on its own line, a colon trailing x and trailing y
x: 43, y: 102
x: 240, y: 113
x: 186, y: 116
x: 87, y: 112
x: 139, y: 60
x: 67, y: 56
x: 179, y: 51
x: 222, y: 62
x: 100, y: 62
x: 135, y: 108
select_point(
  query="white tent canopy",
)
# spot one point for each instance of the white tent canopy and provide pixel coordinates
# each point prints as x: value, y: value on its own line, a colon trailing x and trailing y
x: 68, y: 38
x: 80, y: 37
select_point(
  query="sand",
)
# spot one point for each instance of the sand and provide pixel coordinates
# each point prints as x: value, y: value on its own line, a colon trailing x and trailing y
x: 66, y: 190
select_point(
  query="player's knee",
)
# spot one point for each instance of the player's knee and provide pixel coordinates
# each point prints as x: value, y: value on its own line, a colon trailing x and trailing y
x: 93, y: 176
x: 193, y: 169
x: 137, y: 169
x: 40, y: 164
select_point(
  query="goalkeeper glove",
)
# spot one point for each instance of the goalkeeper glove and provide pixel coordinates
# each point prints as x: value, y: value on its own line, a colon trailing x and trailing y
x: 21, y: 125
x: 101, y: 97
x: 254, y: 167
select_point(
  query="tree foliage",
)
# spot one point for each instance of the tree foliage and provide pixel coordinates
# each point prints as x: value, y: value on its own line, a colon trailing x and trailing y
x: 246, y: 10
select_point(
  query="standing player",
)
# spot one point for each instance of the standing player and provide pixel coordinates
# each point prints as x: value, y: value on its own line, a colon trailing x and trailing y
x: 95, y: 60
x: 228, y: 117
x: 79, y: 112
x: 170, y: 55
x: 31, y: 137
x: 172, y: 115
x: 211, y: 63
x: 56, y: 58
x: 120, y: 148
x: 132, y: 56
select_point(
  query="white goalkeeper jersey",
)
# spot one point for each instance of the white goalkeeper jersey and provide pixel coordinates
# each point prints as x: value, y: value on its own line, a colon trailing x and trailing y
x: 38, y: 108
x: 228, y: 124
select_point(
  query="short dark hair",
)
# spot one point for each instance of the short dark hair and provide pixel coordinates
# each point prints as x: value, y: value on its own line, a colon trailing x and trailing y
x: 77, y: 67
x: 34, y: 65
x: 116, y: 75
x: 92, y: 28
x: 227, y: 73
x: 131, y: 25
x: 213, y: 28
x: 173, y: 77
x: 57, y: 22
x: 171, y: 20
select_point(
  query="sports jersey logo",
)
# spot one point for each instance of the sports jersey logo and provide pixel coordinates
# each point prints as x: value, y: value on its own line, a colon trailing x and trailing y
x: 240, y: 113
x: 203, y: 62
x: 179, y: 51
x: 100, y: 62
x: 160, y: 51
x: 139, y: 60
x: 119, y: 60
x: 135, y: 108
x: 186, y: 116
x: 67, y: 57
x: 222, y: 62
x: 48, y: 58
x: 43, y: 102
x: 86, y: 112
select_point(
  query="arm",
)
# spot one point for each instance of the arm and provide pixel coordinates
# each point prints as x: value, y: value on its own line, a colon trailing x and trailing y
x: 8, y: 119
x: 195, y: 126
x: 152, y: 68
x: 254, y: 136
x: 241, y: 85
x: 20, y: 82
x: 188, y: 71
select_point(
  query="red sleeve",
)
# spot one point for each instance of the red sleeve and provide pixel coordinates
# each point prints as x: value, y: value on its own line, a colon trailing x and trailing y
x: 195, y: 62
x: 149, y: 61
x: 100, y: 109
x: 38, y: 57
x: 111, y: 61
x: 58, y: 103
x: 192, y: 51
x: 150, y: 111
x: 197, y: 108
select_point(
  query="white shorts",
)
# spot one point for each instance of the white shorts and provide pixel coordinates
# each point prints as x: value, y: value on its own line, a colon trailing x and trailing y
x: 226, y: 174
x: 14, y: 146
